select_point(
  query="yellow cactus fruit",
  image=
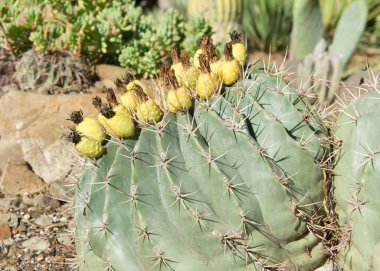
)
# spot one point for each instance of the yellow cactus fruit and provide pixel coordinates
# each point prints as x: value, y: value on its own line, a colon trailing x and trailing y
x: 116, y: 119
x: 239, y: 51
x: 131, y: 85
x: 132, y: 98
x: 208, y: 82
x: 179, y: 100
x: 190, y: 73
x: 196, y: 58
x: 204, y: 41
x: 148, y: 112
x: 215, y: 64
x: 230, y: 69
x: 177, y: 65
x: 85, y: 145
x: 87, y: 126
x: 127, y: 82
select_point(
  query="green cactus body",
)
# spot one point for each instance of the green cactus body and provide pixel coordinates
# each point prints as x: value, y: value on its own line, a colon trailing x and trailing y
x: 233, y: 185
x: 357, y: 184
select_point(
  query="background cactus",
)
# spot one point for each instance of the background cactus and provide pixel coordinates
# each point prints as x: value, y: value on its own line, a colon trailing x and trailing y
x: 224, y: 16
x: 323, y: 67
x: 307, y: 15
x: 357, y: 184
x: 217, y: 188
x: 267, y: 24
x: 52, y: 73
x: 327, y: 68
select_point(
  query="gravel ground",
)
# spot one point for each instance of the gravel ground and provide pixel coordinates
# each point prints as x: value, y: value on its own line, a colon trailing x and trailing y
x: 35, y: 234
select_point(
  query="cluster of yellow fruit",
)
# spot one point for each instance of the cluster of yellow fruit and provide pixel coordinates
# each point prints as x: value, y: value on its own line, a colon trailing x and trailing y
x: 180, y: 83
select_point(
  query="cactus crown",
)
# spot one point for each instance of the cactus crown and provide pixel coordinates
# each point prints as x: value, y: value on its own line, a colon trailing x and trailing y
x: 76, y: 116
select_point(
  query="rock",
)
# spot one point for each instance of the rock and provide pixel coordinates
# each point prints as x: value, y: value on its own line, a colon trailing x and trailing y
x: 40, y: 200
x: 6, y: 203
x: 61, y: 190
x: 5, y: 231
x: 100, y: 85
x: 64, y: 239
x: 32, y: 127
x: 18, y: 179
x: 9, y: 218
x: 36, y: 243
x: 43, y: 221
x: 109, y: 72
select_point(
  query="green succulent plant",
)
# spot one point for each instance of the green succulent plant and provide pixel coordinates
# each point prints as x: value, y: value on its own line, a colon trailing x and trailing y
x: 45, y: 74
x: 111, y: 31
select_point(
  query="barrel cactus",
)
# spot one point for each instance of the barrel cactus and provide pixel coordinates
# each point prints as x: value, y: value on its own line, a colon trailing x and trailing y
x: 236, y: 183
x: 357, y: 184
x: 52, y: 73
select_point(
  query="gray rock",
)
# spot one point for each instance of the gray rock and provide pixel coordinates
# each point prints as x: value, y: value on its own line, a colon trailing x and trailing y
x: 9, y: 218
x: 64, y: 239
x: 36, y: 243
x: 43, y: 221
x: 32, y: 127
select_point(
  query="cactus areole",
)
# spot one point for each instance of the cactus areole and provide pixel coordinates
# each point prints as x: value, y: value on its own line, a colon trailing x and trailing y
x: 233, y: 182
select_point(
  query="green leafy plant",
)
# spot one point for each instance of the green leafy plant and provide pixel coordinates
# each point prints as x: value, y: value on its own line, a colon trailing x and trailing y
x: 110, y: 31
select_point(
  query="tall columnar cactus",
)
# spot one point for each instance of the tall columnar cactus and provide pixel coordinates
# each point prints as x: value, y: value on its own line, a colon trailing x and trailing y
x: 223, y: 15
x: 357, y: 185
x: 234, y: 184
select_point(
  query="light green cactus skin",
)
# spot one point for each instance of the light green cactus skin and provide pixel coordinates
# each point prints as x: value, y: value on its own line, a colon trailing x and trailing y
x: 232, y: 185
x: 223, y: 15
x: 357, y: 186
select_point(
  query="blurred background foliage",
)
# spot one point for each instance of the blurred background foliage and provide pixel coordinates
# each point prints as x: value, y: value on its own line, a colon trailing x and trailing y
x: 139, y: 34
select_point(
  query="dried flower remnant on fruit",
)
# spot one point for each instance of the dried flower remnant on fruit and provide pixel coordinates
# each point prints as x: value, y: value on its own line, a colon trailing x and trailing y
x: 173, y: 83
x: 185, y: 59
x: 76, y: 116
x: 105, y: 109
x: 73, y: 136
x: 163, y: 77
x: 174, y: 55
x: 204, y: 42
x: 204, y: 63
x: 111, y: 97
x: 127, y: 78
x: 235, y: 37
x: 228, y: 52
